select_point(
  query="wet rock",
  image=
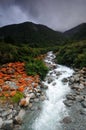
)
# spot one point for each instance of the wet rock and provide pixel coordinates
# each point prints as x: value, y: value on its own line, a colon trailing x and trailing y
x: 68, y: 103
x: 33, y: 108
x: 7, y: 112
x: 9, y: 116
x: 14, y: 112
x: 17, y: 127
x: 50, y: 80
x: 8, y: 125
x: 70, y: 96
x: 76, y: 77
x: 54, y: 84
x: 44, y: 86
x: 19, y: 118
x: 79, y: 98
x: 58, y: 73
x: 77, y: 86
x: 32, y: 95
x: 65, y: 80
x: 84, y: 104
x: 11, y: 106
x: 36, y: 100
x: 30, y: 105
x: 38, y: 94
x: 1, y: 122
x: 71, y: 79
x: 83, y: 112
x: 42, y: 98
x: 67, y: 120
x: 1, y: 110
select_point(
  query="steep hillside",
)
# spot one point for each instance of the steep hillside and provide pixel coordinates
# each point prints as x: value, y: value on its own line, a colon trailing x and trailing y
x: 77, y: 33
x: 34, y: 34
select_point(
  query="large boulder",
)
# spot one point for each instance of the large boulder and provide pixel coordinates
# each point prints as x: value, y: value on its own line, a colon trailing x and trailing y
x: 19, y: 117
x: 25, y: 101
x: 1, y: 122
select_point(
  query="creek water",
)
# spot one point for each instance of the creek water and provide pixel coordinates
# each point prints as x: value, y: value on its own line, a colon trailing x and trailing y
x: 52, y: 110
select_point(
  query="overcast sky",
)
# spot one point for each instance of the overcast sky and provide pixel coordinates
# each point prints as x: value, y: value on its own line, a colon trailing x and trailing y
x: 57, y: 14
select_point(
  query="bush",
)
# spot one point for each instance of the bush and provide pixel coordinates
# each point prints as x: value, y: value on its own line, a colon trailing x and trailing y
x: 73, y: 54
x: 36, y: 67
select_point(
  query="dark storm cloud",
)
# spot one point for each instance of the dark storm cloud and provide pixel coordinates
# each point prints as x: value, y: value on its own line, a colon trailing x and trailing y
x: 57, y: 14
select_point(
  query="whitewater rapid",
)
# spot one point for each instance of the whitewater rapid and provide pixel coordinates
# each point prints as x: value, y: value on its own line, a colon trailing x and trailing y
x: 53, y: 109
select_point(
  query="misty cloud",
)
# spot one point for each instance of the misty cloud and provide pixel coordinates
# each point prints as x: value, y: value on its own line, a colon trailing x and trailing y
x: 57, y: 14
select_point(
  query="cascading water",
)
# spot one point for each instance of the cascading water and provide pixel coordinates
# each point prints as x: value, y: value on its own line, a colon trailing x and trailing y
x: 53, y: 109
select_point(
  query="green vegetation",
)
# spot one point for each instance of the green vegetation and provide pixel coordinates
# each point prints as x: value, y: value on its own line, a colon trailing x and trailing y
x: 17, y: 97
x: 36, y: 67
x: 73, y: 54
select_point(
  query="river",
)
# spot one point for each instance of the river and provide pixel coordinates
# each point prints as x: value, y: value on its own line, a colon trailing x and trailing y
x: 52, y: 110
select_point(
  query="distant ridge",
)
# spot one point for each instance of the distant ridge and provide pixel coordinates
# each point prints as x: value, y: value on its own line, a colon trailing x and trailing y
x: 34, y: 34
x: 77, y: 33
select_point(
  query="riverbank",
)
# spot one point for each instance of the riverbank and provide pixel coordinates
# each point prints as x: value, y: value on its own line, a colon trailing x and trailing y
x: 76, y: 102
x: 18, y: 93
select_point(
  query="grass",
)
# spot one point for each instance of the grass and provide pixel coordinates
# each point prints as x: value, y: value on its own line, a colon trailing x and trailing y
x: 18, y: 96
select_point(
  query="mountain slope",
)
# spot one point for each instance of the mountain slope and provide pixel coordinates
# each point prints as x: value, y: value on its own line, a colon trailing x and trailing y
x: 77, y: 33
x: 34, y: 34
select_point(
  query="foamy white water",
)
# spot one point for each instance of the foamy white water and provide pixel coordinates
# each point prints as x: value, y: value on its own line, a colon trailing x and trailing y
x: 54, y: 110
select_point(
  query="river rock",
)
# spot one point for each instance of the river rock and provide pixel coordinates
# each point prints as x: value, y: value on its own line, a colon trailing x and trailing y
x: 76, y: 77
x: 1, y: 110
x: 30, y: 105
x: 77, y: 86
x: 67, y: 120
x: 38, y: 95
x: 84, y: 104
x: 1, y: 122
x: 58, y: 73
x: 14, y: 112
x: 65, y: 80
x: 42, y: 98
x: 25, y: 101
x: 71, y: 79
x: 68, y: 103
x: 70, y: 96
x: 8, y: 125
x: 83, y: 112
x: 19, y: 118
x: 9, y: 116
x: 7, y: 112
x: 54, y: 84
x: 44, y: 86
x: 12, y: 85
x: 36, y: 100
x: 32, y: 95
x: 79, y: 98
x: 33, y: 108
x: 50, y: 80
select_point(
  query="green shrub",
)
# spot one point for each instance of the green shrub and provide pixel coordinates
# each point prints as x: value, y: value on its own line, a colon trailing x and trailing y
x: 73, y: 54
x: 36, y: 67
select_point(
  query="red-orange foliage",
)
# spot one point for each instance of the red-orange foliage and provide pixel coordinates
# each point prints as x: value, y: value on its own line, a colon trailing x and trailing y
x: 16, y: 72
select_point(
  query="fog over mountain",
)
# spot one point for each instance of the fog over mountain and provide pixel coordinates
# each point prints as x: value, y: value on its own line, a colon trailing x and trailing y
x: 57, y: 14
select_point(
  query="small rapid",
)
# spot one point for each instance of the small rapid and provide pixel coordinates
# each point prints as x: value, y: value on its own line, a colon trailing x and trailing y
x: 53, y: 109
